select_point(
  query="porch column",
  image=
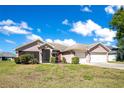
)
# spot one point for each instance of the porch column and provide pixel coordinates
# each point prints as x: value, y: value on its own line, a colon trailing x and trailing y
x: 107, y: 57
x: 40, y: 56
x: 17, y: 53
x: 50, y: 55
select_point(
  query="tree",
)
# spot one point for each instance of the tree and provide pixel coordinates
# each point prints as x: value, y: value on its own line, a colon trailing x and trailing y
x: 117, y: 23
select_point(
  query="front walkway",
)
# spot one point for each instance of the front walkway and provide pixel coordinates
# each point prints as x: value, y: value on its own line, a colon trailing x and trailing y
x: 108, y: 65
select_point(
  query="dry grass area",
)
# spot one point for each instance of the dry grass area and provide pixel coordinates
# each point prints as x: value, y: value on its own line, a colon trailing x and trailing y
x: 58, y: 75
x: 117, y: 62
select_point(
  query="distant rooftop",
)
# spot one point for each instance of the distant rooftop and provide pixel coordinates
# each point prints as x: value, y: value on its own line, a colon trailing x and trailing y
x: 7, y: 54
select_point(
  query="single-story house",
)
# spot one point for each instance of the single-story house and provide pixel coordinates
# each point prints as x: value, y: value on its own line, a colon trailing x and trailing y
x: 43, y: 51
x: 6, y: 56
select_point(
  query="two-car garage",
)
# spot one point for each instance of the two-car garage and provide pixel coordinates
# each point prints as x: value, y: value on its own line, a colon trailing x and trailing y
x: 99, y: 54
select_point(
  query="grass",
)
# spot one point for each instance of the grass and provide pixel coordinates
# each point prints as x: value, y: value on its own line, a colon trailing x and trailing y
x: 117, y: 62
x: 59, y: 76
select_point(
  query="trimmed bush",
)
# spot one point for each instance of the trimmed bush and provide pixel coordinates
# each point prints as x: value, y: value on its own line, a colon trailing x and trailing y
x: 53, y: 60
x: 75, y: 60
x: 17, y: 60
x: 26, y: 59
x: 64, y: 60
x: 33, y: 61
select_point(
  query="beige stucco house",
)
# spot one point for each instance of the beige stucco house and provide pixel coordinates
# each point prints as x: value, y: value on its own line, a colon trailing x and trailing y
x: 43, y: 51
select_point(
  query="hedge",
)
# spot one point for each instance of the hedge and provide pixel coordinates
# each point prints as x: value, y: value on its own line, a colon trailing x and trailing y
x: 75, y: 60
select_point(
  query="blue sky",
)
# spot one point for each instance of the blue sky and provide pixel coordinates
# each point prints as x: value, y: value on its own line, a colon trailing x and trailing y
x: 61, y: 24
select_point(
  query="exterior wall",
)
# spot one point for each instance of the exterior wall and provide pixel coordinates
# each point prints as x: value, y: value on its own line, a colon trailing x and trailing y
x: 82, y: 56
x: 87, y: 57
x: 82, y: 60
x: 68, y: 56
x: 112, y: 57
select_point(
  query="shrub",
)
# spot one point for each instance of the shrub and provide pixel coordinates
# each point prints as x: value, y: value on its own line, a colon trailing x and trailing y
x: 53, y: 60
x: 64, y: 60
x: 75, y: 60
x: 33, y: 61
x: 17, y: 60
x: 26, y: 58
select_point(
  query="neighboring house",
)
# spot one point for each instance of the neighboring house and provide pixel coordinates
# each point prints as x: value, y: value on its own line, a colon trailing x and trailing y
x: 114, y: 54
x: 43, y: 51
x: 6, y: 56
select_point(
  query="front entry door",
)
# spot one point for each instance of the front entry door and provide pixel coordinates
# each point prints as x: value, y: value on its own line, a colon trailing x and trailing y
x: 45, y: 55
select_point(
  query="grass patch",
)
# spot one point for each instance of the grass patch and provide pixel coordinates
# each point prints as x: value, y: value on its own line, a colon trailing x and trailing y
x: 59, y: 75
x: 88, y: 77
x: 117, y: 62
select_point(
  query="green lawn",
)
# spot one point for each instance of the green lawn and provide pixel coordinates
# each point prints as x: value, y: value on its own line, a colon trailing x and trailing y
x: 58, y: 75
x: 117, y: 62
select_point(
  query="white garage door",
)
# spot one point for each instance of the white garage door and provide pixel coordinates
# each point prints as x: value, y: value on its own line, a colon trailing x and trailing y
x: 98, y: 58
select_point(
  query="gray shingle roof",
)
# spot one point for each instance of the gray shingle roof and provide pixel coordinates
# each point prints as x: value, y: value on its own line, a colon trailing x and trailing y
x: 82, y: 47
x: 59, y: 46
x: 29, y: 43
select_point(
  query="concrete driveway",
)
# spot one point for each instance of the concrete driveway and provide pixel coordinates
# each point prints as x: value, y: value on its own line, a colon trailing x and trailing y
x: 109, y: 65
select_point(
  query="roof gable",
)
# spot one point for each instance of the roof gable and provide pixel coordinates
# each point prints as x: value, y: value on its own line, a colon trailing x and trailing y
x: 27, y: 45
x: 99, y: 47
x: 47, y: 45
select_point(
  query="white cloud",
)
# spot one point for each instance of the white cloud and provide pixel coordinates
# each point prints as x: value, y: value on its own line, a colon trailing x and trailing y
x: 10, y: 41
x: 1, y: 50
x: 85, y: 28
x: 95, y: 39
x: 33, y: 37
x: 111, y: 9
x: 89, y: 27
x: 10, y: 27
x: 13, y: 30
x: 65, y: 22
x: 38, y: 30
x: 7, y: 22
x: 105, y: 34
x: 49, y: 40
x: 25, y: 25
x: 66, y: 42
x: 86, y: 9
x: 108, y: 43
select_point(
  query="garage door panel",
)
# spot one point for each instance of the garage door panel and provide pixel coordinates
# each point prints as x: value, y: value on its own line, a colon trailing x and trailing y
x: 98, y: 58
